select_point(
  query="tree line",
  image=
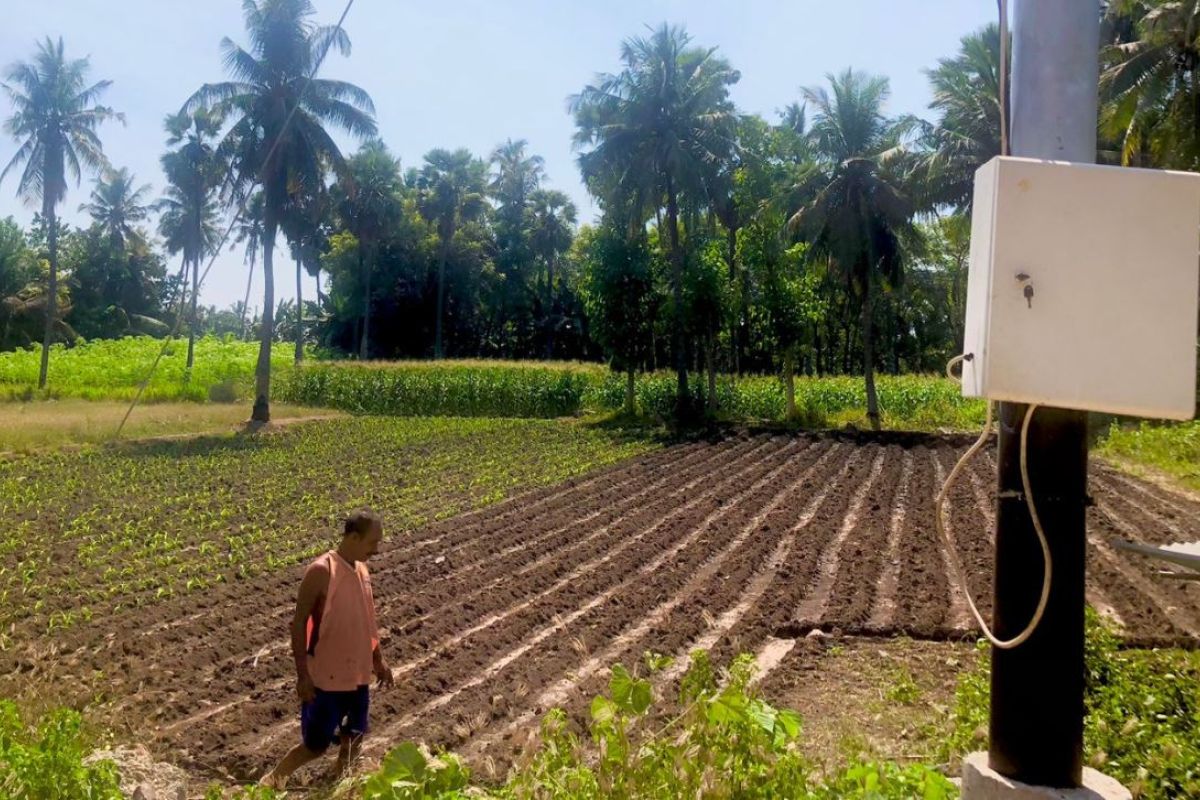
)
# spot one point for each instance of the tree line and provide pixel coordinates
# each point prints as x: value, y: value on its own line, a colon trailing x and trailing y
x: 831, y: 239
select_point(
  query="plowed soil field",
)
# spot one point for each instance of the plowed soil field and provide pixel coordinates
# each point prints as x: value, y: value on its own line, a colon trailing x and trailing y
x: 492, y: 617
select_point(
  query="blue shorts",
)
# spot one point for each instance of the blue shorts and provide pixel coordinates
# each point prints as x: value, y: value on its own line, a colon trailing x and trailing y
x: 332, y: 715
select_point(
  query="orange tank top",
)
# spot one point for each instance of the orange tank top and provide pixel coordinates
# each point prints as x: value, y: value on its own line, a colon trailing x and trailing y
x: 342, y: 635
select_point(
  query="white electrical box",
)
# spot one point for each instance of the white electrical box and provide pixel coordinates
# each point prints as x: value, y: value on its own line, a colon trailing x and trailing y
x: 1082, y: 291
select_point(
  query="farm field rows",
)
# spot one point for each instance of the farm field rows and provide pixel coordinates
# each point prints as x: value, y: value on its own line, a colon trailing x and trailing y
x: 91, y: 531
x: 492, y: 617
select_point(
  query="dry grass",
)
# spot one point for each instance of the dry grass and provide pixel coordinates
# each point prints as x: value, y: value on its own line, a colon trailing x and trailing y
x: 50, y: 423
x: 871, y: 699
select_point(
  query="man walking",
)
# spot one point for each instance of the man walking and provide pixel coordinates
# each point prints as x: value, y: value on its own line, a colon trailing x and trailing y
x: 335, y: 645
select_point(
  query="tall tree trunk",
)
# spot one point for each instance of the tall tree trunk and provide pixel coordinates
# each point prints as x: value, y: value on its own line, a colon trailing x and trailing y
x: 682, y: 400
x: 869, y: 358
x: 246, y: 304
x: 184, y: 265
x: 630, y: 391
x: 51, y: 288
x: 299, y: 313
x: 789, y: 381
x: 191, y: 354
x: 197, y: 256
x: 897, y: 327
x: 441, y: 297
x: 548, y: 308
x: 711, y: 357
x: 735, y: 363
x: 320, y: 294
x: 262, y: 371
x: 830, y: 345
x: 819, y: 353
x: 736, y: 342
x: 364, y: 346
x: 847, y: 340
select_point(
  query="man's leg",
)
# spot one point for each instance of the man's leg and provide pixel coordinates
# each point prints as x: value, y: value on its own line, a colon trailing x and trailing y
x: 347, y: 754
x: 318, y: 723
x: 296, y: 758
x: 354, y: 729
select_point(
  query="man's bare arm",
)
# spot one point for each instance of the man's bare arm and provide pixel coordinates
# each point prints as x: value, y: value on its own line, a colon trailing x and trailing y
x: 312, y: 589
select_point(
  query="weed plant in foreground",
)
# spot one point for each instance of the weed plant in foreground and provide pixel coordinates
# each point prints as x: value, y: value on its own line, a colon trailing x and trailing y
x: 1143, y: 715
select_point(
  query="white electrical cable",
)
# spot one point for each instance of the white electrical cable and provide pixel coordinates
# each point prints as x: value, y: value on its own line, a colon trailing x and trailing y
x: 939, y: 506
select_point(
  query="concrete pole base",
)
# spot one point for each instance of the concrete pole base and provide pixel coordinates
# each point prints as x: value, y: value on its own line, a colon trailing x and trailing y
x: 980, y: 782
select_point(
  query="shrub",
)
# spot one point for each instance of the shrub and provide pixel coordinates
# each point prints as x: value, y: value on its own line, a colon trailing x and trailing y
x: 727, y: 742
x: 46, y: 762
x: 1143, y: 714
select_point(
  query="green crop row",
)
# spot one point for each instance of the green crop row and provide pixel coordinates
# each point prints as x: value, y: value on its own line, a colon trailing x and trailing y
x: 224, y: 369
x: 517, y: 389
x: 154, y: 519
x: 920, y: 402
x: 496, y: 389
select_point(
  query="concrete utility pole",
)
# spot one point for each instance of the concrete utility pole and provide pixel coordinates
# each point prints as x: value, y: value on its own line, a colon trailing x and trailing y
x: 1036, y: 732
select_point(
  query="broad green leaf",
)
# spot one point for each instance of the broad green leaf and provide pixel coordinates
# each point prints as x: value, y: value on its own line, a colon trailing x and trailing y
x: 763, y: 715
x: 630, y: 694
x: 789, y: 723
x: 604, y: 711
x: 404, y: 761
x: 642, y: 696
x: 727, y: 708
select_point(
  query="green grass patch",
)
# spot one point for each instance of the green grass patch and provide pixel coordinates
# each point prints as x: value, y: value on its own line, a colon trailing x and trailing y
x: 154, y: 519
x: 1170, y: 448
x: 1143, y: 715
x: 112, y: 369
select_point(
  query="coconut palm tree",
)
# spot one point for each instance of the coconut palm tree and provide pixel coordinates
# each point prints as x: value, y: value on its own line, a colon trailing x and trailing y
x: 552, y: 229
x: 279, y: 138
x: 189, y: 206
x: 369, y: 204
x: 55, y: 118
x: 1150, y: 84
x: 794, y: 117
x: 451, y: 191
x: 517, y: 174
x: 966, y: 94
x: 116, y: 205
x: 853, y: 209
x: 652, y: 132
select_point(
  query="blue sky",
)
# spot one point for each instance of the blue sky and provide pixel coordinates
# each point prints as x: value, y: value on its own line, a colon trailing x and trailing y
x: 470, y: 73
